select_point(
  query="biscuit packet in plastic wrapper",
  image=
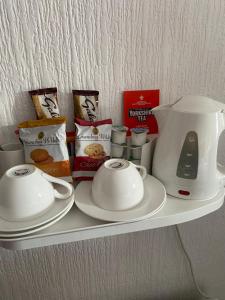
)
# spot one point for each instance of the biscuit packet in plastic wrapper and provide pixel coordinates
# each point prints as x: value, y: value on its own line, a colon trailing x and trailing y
x: 45, y: 103
x: 45, y: 146
x: 86, y: 105
x: 92, y: 147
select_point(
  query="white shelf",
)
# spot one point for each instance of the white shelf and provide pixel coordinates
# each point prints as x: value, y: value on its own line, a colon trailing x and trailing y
x: 76, y: 226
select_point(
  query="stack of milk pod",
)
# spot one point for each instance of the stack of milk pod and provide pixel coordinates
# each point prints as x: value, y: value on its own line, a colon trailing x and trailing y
x: 138, y: 139
x: 119, y: 141
x: 131, y: 148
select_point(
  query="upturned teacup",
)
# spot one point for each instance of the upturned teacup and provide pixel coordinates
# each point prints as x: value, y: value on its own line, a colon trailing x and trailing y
x: 26, y: 192
x: 118, y: 185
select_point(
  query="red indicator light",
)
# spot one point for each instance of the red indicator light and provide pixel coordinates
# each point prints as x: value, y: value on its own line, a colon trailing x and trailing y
x: 184, y: 193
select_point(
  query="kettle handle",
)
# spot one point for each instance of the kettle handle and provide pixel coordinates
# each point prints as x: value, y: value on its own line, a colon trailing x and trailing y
x: 221, y: 167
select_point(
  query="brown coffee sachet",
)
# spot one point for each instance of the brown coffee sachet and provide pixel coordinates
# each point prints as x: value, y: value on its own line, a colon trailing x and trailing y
x: 45, y: 102
x: 86, y: 105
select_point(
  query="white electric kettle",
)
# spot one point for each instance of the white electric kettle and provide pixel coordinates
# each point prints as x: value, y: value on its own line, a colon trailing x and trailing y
x: 185, y: 157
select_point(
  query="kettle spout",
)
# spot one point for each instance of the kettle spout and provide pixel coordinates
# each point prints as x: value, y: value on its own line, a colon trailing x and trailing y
x: 161, y: 112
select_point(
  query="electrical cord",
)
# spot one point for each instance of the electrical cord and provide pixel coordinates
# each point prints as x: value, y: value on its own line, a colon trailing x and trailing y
x: 203, y: 294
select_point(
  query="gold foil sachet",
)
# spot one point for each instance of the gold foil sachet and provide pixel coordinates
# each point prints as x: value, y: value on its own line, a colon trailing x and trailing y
x: 86, y: 105
x: 45, y: 103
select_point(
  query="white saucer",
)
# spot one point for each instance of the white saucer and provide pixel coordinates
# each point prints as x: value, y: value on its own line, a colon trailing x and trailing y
x: 55, y: 210
x: 154, y: 199
x: 38, y: 228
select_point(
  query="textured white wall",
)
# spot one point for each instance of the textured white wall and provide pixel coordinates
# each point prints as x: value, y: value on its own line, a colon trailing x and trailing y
x: 113, y: 45
x: 176, y: 46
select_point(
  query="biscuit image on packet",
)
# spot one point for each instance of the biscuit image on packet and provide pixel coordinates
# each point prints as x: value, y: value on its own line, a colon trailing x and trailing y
x: 41, y: 156
x: 95, y: 151
x: 92, y: 146
x: 45, y: 146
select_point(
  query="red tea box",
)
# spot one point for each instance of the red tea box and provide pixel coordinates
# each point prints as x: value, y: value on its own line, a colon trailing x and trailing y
x: 137, y: 109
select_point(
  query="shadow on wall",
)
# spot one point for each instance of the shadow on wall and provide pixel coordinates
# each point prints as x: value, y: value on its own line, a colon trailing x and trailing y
x: 8, y: 135
x: 18, y: 110
x: 23, y: 108
x: 66, y: 108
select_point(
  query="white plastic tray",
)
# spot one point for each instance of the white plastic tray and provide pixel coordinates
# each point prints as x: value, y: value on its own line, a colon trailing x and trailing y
x: 76, y: 226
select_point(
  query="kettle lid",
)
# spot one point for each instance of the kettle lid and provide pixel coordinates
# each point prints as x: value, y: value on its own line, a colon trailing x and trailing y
x: 198, y: 104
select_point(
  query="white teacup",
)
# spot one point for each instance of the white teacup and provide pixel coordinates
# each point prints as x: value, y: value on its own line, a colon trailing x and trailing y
x: 117, y: 185
x: 10, y: 155
x: 26, y: 191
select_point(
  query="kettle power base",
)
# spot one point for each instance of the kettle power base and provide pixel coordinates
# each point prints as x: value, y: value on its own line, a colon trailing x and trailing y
x: 77, y: 226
